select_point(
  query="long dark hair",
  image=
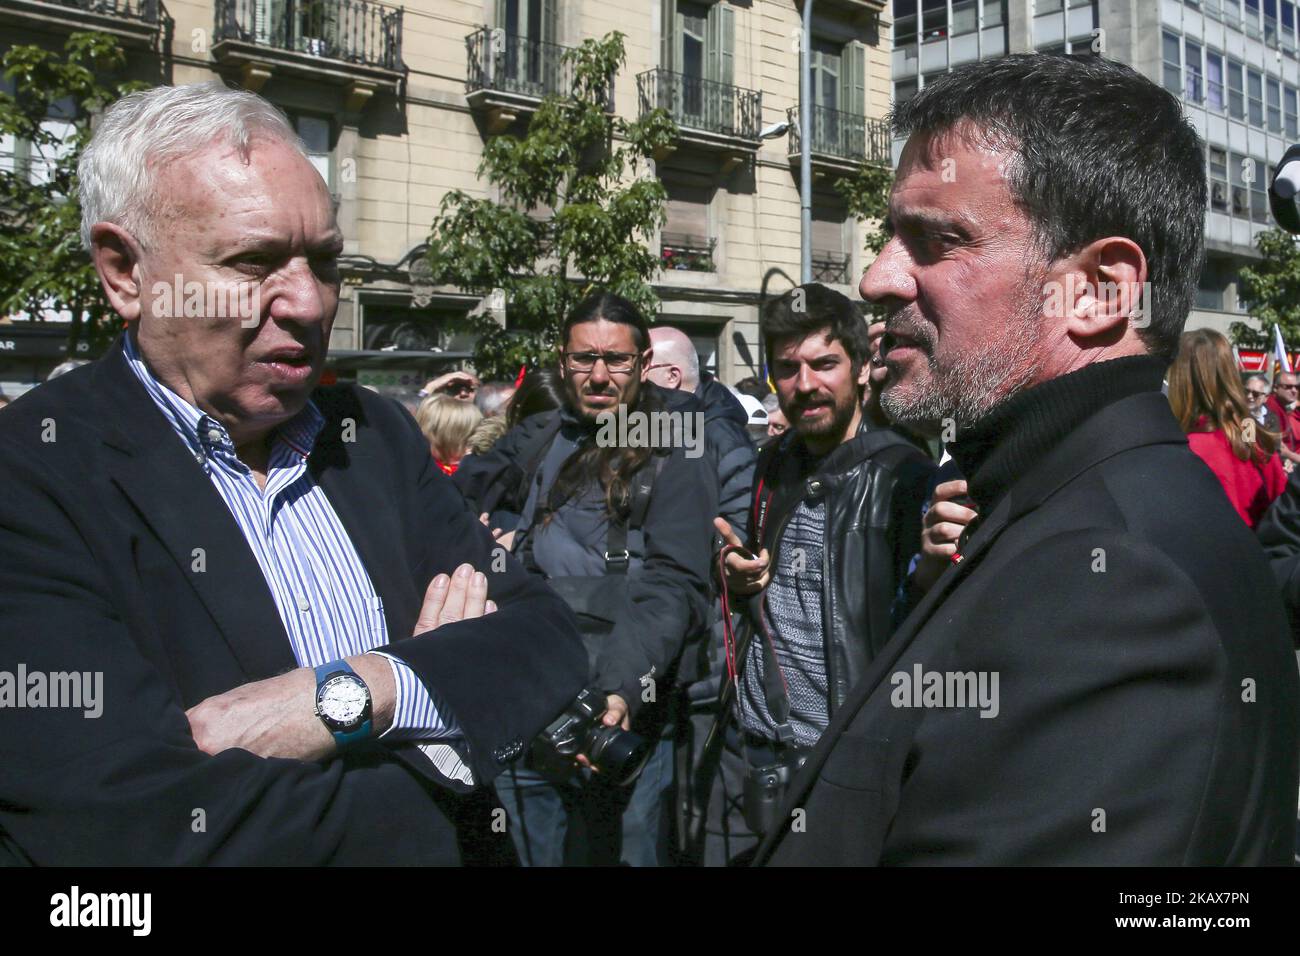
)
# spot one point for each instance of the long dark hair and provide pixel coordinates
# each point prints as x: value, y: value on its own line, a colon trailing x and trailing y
x: 612, y: 466
x: 540, y: 391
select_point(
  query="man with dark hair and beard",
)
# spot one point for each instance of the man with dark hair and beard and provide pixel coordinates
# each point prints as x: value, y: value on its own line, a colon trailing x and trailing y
x: 835, y: 519
x: 620, y: 526
x: 1102, y: 676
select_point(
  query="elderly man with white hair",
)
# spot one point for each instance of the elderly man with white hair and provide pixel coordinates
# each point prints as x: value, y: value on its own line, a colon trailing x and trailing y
x: 245, y: 609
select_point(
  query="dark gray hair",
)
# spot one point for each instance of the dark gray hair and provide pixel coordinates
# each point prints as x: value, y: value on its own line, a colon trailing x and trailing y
x: 1099, y: 151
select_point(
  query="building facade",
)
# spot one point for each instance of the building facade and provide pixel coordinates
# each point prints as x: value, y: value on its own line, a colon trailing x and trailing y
x: 396, y: 103
x: 1232, y: 63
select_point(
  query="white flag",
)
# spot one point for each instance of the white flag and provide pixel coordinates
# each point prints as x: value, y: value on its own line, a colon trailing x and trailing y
x: 1279, y: 351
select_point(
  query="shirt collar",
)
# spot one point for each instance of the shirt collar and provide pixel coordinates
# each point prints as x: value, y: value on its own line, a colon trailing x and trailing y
x: 202, y: 433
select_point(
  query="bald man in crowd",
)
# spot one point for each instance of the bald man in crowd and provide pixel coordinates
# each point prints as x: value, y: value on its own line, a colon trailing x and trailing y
x: 674, y: 364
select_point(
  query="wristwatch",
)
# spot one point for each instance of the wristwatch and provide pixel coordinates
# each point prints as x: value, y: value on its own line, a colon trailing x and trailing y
x: 343, y: 703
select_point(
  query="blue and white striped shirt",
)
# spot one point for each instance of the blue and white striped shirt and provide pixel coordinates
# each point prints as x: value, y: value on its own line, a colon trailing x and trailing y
x: 326, y: 600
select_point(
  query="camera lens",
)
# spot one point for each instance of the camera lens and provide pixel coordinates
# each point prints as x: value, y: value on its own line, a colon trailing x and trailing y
x: 618, y: 753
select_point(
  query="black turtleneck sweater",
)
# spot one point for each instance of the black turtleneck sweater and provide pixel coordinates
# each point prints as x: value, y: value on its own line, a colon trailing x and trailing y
x: 1015, y: 435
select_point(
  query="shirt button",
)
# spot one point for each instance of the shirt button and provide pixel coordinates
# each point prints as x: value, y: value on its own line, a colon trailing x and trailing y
x: 214, y: 435
x: 304, y: 605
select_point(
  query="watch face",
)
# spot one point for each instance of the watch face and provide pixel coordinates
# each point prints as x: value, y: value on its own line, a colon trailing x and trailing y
x: 343, y: 699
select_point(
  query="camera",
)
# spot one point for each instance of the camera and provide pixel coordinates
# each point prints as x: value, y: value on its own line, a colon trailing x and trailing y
x: 764, y: 794
x: 619, y: 754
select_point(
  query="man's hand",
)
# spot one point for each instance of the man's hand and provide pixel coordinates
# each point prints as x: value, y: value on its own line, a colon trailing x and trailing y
x: 457, y: 598
x: 460, y: 385
x: 944, y: 522
x: 743, y: 575
x: 876, y: 332
x: 616, y: 713
x: 277, y: 717
x: 505, y: 538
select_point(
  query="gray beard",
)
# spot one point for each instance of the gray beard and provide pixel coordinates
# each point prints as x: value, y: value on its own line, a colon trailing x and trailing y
x: 972, y: 386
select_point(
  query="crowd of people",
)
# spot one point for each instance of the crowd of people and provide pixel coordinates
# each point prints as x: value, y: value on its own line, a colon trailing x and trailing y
x: 976, y: 581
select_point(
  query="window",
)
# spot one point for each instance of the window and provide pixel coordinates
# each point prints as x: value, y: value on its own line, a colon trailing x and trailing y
x: 685, y: 243
x: 1250, y: 18
x: 1274, y: 106
x: 1236, y: 95
x: 1239, y: 191
x: 1173, y: 66
x: 315, y: 133
x: 1289, y: 100
x: 1259, y: 193
x: 904, y: 22
x: 1232, y: 11
x: 826, y: 74
x: 1288, y: 25
x: 1218, y: 179
x: 1213, y: 80
x: 1194, y: 86
x: 965, y: 14
x: 904, y: 90
x: 1270, y: 21
x: 1047, y: 6
x: 934, y: 19
x: 1255, y: 97
x: 1213, y: 8
x: 33, y: 161
x: 995, y: 13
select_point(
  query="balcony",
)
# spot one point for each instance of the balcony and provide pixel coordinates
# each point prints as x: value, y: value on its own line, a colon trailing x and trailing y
x: 136, y: 23
x: 841, y: 142
x: 832, y: 267
x: 509, y: 75
x: 356, y: 44
x: 679, y: 252
x: 708, y: 114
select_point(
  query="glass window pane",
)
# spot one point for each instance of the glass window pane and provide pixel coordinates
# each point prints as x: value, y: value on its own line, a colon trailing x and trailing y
x: 1213, y: 80
x: 964, y: 15
x: 994, y: 13
x: 1193, y: 86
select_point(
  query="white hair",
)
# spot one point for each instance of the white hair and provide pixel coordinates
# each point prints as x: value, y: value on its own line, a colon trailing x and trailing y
x: 144, y: 130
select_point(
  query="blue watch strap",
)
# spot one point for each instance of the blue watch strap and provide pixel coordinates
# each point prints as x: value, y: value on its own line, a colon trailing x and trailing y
x: 323, y: 673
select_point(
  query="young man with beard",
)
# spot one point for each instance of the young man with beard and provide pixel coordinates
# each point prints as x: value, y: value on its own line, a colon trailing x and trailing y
x: 622, y: 531
x: 1142, y: 705
x: 835, y: 519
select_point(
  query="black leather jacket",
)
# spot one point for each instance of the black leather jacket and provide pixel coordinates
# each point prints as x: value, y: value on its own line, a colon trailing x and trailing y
x: 874, y: 486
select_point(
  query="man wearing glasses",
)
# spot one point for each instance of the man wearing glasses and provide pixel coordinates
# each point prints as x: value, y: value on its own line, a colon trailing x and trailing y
x: 1285, y: 404
x: 622, y: 527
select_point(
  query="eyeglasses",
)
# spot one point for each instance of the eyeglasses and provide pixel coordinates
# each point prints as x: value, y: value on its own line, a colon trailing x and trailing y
x: 1256, y: 393
x: 1287, y: 388
x: 614, y: 361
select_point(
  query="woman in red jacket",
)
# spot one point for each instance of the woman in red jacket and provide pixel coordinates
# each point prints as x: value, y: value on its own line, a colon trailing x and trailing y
x: 1208, y: 399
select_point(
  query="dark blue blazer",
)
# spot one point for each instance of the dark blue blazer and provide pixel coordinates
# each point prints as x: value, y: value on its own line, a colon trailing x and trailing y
x: 102, y: 513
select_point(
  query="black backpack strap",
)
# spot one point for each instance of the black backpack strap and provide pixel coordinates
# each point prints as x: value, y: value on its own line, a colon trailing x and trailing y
x: 617, y: 556
x: 533, y: 454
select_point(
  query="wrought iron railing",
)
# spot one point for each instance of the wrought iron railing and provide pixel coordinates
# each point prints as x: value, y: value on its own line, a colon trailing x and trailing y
x: 830, y: 267
x: 697, y: 103
x: 513, y: 64
x: 356, y: 31
x: 836, y: 133
x: 144, y: 11
x: 688, y: 253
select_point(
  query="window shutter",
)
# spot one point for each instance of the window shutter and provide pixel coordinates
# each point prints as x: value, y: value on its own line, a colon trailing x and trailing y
x: 668, y: 36
x: 853, y: 81
x: 550, y: 21
x: 720, y: 45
